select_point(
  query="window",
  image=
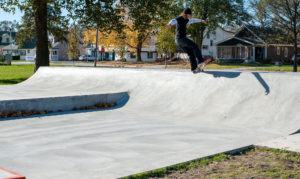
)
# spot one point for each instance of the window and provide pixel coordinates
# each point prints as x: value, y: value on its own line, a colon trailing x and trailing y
x: 211, y: 43
x: 205, y: 47
x: 28, y: 51
x: 207, y: 35
x: 22, y: 52
x: 132, y: 55
x: 54, y: 52
x: 150, y: 55
x: 7, y: 40
x: 286, y: 52
x: 278, y: 50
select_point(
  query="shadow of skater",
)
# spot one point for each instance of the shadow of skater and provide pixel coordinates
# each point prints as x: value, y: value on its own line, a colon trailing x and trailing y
x: 262, y: 82
x: 225, y: 74
x: 297, y: 132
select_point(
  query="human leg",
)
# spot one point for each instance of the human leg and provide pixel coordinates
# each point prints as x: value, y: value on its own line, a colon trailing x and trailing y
x: 189, y: 43
x: 192, y: 57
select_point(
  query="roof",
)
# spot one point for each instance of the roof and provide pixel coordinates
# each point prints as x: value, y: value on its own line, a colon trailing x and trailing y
x: 13, y: 35
x: 29, y: 44
x: 254, y: 35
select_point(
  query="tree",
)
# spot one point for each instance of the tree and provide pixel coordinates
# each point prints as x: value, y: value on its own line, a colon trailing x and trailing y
x: 74, y: 44
x: 260, y: 13
x: 40, y: 9
x: 141, y: 19
x: 57, y: 25
x: 165, y: 41
x: 99, y: 15
x: 7, y: 25
x: 215, y: 13
x: 40, y: 19
x: 285, y: 15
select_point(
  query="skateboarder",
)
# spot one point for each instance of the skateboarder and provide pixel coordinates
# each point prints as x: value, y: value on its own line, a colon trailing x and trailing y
x: 187, y: 45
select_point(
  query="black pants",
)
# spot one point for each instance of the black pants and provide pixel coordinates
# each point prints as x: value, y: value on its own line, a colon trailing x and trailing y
x: 192, y: 49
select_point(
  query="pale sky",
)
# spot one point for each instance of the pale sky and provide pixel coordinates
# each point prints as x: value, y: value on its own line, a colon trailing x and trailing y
x: 10, y: 16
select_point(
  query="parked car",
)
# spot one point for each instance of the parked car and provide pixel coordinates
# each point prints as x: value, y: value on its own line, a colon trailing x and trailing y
x: 86, y: 58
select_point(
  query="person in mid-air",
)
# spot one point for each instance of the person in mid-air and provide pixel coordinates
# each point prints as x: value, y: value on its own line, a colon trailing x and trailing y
x: 187, y: 45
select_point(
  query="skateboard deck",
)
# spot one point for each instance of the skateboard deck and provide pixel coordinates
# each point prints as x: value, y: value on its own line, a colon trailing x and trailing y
x: 204, y: 64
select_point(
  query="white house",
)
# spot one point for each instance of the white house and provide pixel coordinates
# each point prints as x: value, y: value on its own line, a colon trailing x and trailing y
x: 210, y: 39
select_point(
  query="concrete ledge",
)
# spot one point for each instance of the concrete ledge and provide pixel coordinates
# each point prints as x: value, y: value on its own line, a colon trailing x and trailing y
x: 65, y: 103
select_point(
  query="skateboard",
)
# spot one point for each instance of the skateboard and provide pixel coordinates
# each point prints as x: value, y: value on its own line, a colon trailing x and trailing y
x: 205, y: 63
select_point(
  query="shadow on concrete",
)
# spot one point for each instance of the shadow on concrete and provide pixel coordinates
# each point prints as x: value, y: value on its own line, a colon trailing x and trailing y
x: 232, y: 74
x: 262, y: 82
x: 297, y: 132
x: 121, y: 103
x: 12, y: 81
x: 225, y: 74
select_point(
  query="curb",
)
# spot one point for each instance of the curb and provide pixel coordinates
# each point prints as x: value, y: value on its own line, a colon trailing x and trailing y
x: 14, y: 175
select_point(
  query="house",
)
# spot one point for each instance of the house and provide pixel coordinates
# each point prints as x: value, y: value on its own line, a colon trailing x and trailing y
x: 148, y: 53
x: 28, y: 51
x: 211, y: 37
x: 7, y: 42
x: 252, y: 43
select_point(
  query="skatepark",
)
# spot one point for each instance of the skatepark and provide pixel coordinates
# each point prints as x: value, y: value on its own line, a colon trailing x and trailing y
x: 163, y: 117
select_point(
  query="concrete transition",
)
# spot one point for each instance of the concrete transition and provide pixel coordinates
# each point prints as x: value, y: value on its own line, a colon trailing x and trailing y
x: 163, y: 118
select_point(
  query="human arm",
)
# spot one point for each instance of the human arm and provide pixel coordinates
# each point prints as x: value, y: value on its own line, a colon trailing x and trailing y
x: 171, y: 23
x: 192, y: 21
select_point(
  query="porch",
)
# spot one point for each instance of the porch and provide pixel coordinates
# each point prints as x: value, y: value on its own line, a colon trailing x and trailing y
x: 241, y: 53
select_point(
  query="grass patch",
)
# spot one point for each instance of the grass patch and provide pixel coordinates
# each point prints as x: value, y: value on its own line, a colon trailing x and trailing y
x: 252, y: 163
x: 15, y: 73
x: 287, y: 68
x: 19, y: 61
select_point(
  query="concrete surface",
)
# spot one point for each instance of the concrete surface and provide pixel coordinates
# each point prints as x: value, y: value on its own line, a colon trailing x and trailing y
x: 290, y: 143
x: 64, y: 103
x: 171, y: 116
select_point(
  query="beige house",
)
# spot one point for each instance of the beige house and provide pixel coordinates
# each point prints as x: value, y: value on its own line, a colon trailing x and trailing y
x: 252, y: 43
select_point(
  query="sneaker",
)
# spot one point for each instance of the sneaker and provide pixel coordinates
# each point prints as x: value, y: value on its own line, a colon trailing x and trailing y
x: 202, y: 65
x: 197, y: 70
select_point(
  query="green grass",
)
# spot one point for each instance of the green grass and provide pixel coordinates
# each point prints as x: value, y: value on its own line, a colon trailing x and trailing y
x: 235, y: 65
x: 255, y: 162
x: 15, y: 74
x: 179, y: 167
x: 19, y: 61
x: 285, y: 68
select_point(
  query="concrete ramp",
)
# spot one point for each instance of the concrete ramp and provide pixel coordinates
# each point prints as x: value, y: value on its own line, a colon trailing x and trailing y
x: 168, y: 117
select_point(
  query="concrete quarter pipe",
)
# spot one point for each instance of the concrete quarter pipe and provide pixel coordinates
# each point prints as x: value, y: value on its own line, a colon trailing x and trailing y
x: 163, y: 118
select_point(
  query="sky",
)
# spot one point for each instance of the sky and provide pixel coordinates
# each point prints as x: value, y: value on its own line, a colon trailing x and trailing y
x: 18, y: 14
x: 5, y: 16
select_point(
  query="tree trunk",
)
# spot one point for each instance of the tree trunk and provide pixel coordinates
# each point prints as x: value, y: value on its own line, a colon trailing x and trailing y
x: 295, y: 37
x: 139, y: 52
x: 296, y: 51
x: 42, y: 50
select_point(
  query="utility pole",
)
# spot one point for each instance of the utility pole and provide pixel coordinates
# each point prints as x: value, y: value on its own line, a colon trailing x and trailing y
x: 10, y: 43
x: 96, y: 52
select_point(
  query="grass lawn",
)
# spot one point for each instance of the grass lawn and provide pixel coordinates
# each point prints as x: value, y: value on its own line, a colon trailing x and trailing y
x: 276, y: 68
x: 15, y: 74
x: 235, y: 65
x: 253, y: 163
x: 19, y: 61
